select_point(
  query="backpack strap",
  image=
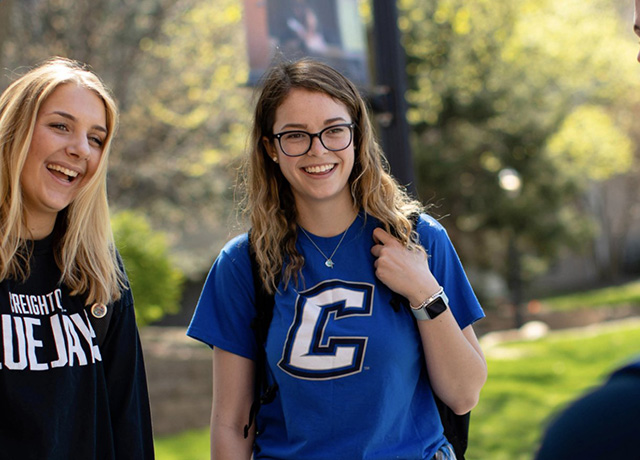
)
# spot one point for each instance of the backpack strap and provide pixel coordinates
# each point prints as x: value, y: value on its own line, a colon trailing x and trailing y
x: 456, y: 427
x: 397, y: 301
x: 264, y: 303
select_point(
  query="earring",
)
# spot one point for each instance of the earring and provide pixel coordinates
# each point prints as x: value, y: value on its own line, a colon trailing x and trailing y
x: 275, y: 159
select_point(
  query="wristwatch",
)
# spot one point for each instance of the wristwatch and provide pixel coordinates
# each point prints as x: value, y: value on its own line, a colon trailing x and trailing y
x: 431, y: 307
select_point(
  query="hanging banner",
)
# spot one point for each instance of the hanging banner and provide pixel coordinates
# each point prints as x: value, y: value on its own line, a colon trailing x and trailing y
x: 328, y: 30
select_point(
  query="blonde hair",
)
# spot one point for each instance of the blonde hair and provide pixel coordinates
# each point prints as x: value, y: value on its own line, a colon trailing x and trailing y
x: 85, y: 251
x: 269, y: 201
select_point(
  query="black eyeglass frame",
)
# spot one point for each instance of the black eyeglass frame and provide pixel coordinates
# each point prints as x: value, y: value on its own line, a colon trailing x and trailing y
x: 319, y: 134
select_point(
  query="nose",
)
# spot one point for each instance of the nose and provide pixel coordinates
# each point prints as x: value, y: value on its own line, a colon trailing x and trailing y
x: 79, y: 147
x: 317, y: 147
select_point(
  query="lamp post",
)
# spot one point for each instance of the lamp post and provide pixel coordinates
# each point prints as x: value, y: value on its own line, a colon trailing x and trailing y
x: 391, y: 80
x: 510, y: 181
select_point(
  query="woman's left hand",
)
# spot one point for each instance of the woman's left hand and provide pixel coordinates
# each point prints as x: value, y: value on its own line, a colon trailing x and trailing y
x: 455, y: 362
x: 404, y: 271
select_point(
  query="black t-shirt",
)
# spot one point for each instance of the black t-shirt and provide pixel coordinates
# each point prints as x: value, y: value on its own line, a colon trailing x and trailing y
x: 64, y: 397
x: 604, y: 424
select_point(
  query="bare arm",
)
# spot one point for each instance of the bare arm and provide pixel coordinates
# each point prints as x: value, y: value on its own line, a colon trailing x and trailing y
x: 233, y: 378
x: 455, y: 362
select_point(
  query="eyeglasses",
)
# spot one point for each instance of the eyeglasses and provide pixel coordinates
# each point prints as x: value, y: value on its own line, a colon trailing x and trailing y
x: 333, y: 138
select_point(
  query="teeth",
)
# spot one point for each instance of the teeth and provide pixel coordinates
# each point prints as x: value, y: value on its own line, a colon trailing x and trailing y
x: 318, y: 169
x: 63, y: 170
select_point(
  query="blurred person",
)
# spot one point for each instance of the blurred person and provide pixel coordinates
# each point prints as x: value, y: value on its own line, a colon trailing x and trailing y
x: 65, y: 394
x: 304, y: 24
x: 601, y: 425
x: 302, y: 35
x: 604, y: 423
x: 354, y: 378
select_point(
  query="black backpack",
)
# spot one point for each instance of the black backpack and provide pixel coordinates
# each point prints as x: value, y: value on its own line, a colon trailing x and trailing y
x: 456, y: 427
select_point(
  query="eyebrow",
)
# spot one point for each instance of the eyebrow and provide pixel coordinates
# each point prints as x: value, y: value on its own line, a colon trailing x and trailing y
x: 68, y: 116
x: 303, y: 126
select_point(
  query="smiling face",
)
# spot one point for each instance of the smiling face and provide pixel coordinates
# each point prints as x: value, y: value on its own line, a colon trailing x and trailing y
x: 64, y: 154
x: 320, y: 176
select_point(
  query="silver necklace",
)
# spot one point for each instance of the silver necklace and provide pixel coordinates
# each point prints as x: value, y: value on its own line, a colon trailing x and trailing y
x: 328, y: 260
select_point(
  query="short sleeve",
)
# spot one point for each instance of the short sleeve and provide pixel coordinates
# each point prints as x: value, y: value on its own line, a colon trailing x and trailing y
x: 447, y: 269
x: 225, y: 309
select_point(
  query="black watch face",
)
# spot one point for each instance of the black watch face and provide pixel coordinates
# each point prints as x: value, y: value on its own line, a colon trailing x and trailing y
x: 438, y: 306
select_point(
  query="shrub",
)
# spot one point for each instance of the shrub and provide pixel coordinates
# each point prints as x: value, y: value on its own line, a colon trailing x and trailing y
x: 155, y: 281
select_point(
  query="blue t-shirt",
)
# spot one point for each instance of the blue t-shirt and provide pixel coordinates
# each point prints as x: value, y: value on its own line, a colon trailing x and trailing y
x: 351, y: 375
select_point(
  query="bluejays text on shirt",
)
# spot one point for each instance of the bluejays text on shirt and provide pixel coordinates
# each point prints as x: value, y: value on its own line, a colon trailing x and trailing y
x: 40, y: 334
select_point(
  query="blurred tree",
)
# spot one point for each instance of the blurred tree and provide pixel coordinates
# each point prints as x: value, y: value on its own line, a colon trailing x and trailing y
x: 492, y: 83
x: 155, y: 282
x: 5, y: 15
x: 589, y: 147
x: 498, y: 84
x: 191, y: 113
x: 103, y: 34
x: 174, y: 67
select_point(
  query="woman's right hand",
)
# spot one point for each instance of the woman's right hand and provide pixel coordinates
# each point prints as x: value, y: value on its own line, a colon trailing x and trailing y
x: 233, y: 381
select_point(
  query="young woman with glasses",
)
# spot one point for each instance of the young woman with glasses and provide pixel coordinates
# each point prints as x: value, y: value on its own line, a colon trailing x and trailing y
x: 334, y: 240
x: 65, y: 393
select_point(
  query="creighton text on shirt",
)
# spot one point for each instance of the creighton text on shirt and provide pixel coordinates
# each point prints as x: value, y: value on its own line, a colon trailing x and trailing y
x: 40, y: 334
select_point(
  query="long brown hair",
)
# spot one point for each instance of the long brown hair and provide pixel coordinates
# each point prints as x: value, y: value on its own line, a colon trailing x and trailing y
x: 269, y: 201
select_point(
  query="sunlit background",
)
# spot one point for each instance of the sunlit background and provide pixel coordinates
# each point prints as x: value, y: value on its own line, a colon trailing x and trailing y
x: 524, y: 134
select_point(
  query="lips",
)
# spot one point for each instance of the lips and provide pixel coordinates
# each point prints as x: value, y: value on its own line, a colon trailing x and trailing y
x: 319, y: 169
x: 63, y: 173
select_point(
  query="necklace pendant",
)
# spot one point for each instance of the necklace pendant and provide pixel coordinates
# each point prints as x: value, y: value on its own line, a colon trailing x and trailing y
x: 329, y: 263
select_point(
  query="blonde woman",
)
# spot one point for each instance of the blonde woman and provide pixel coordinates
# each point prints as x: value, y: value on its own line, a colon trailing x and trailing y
x: 354, y: 377
x: 65, y: 394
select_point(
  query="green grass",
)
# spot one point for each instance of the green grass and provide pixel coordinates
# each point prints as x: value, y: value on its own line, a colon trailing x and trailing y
x: 528, y: 383
x: 190, y: 445
x: 626, y: 294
